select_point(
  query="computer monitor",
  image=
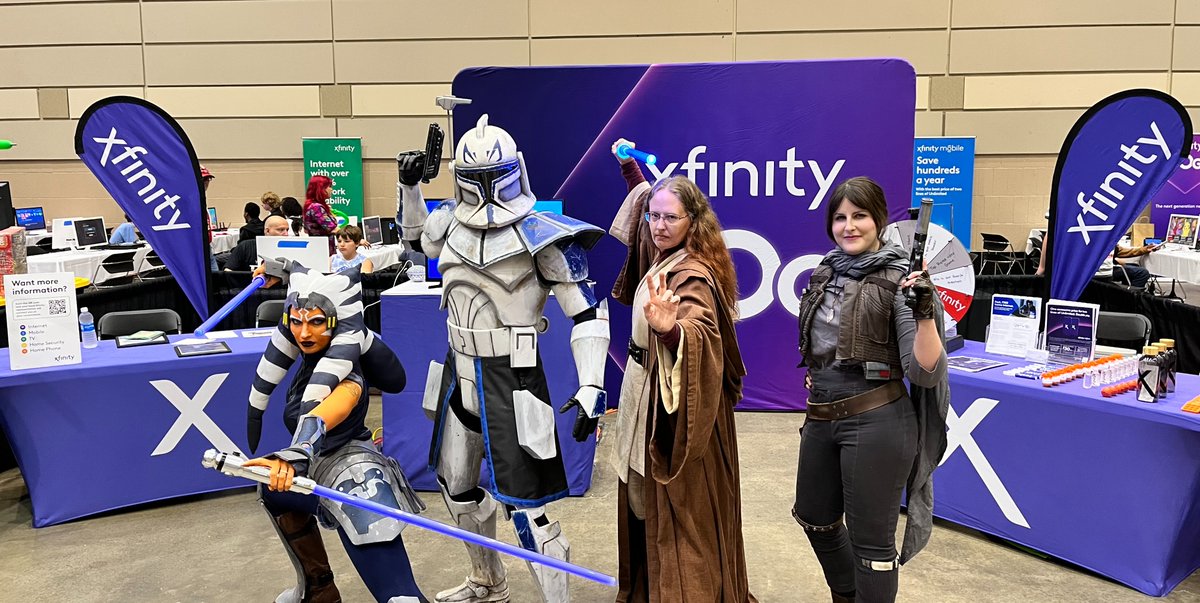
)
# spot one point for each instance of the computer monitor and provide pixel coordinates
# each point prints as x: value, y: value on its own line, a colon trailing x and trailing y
x: 90, y: 232
x: 431, y: 264
x: 31, y: 218
x: 310, y: 252
x: 391, y: 236
x: 372, y: 230
x: 212, y: 218
x: 1182, y: 229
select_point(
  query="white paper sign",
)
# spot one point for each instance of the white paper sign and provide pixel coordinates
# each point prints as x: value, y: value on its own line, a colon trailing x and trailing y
x: 43, y: 324
x: 1015, y: 324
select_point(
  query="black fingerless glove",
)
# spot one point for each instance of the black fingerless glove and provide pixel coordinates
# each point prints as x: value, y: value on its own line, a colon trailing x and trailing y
x: 921, y: 297
x: 411, y: 165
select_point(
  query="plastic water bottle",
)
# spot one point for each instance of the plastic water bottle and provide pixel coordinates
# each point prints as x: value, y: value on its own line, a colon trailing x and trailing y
x: 87, y: 325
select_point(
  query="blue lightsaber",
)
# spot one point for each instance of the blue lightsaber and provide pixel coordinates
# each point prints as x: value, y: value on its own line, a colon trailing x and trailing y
x: 625, y: 151
x: 237, y: 300
x: 233, y: 465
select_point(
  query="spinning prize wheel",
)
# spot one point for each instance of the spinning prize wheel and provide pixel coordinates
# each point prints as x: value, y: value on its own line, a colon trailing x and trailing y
x: 948, y: 263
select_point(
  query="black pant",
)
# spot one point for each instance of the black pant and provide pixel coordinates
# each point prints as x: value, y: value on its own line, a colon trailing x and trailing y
x: 856, y: 466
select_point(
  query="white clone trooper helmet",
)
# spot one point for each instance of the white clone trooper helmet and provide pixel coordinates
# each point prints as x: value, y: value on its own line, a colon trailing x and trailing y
x: 489, y: 178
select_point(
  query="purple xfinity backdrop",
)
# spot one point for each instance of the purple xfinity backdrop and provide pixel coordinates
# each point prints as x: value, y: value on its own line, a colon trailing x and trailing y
x: 1181, y: 195
x: 767, y: 142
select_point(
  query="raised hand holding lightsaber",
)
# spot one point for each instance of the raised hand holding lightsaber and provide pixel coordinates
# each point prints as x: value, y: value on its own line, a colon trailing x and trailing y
x: 625, y: 149
x: 233, y: 465
x: 919, y: 292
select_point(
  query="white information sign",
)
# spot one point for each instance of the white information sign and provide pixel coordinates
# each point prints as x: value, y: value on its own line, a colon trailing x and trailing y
x: 1016, y: 321
x: 43, y: 324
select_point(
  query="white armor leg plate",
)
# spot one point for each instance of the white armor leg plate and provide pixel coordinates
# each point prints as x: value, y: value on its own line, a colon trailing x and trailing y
x: 487, y: 582
x: 464, y: 367
x: 548, y: 540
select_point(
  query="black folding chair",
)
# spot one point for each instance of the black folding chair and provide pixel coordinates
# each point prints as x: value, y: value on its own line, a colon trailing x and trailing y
x: 152, y: 267
x: 117, y: 269
x: 268, y: 313
x: 115, y: 324
x: 1123, y: 329
x: 998, y: 252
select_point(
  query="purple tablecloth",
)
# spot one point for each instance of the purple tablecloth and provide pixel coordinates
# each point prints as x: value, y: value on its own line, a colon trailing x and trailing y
x: 1110, y: 484
x: 129, y: 425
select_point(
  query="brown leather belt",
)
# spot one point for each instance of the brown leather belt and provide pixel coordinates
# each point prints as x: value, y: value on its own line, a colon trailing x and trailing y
x: 856, y: 405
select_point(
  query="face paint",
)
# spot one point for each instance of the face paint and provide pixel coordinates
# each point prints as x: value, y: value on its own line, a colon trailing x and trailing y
x: 310, y: 328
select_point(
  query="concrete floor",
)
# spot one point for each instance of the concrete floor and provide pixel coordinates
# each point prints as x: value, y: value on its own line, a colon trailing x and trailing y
x: 220, y: 548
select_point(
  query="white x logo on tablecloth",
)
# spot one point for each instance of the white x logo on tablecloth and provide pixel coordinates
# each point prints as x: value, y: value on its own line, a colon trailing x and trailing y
x: 958, y: 435
x: 191, y: 412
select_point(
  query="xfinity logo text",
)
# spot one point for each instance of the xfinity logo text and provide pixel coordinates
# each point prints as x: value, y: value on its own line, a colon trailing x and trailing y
x: 958, y: 435
x: 795, y: 173
x: 148, y: 190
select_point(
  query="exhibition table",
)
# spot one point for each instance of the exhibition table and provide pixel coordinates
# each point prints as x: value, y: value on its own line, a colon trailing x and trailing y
x: 83, y: 263
x: 223, y: 242
x: 1110, y: 484
x: 1180, y: 264
x: 384, y: 256
x: 129, y: 425
x: 415, y: 327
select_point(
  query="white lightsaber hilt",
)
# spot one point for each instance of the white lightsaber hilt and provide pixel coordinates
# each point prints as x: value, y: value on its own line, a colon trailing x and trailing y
x: 233, y: 465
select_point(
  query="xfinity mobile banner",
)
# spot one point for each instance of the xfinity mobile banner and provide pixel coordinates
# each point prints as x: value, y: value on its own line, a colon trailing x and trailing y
x: 1114, y: 160
x: 148, y: 165
x: 1181, y: 195
x: 944, y: 170
x: 341, y: 160
x: 767, y: 142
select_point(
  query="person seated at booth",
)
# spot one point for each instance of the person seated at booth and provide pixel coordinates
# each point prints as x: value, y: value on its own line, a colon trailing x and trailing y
x: 1136, y: 275
x: 124, y: 234
x: 244, y: 257
x: 349, y: 239
x: 254, y: 226
x: 294, y: 212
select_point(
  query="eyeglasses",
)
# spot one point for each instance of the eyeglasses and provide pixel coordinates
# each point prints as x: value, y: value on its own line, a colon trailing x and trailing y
x: 671, y: 219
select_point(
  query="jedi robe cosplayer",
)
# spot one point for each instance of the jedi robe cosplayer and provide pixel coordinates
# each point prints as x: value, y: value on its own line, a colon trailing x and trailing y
x: 676, y: 452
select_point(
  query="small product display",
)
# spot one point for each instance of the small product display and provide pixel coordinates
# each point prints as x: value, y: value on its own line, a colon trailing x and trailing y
x: 1148, y: 380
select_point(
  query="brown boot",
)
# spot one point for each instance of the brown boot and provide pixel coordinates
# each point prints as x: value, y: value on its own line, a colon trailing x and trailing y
x: 302, y: 538
x: 840, y: 599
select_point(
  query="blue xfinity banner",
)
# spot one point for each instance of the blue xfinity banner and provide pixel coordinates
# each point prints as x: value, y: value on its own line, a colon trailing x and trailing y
x: 1113, y: 161
x: 148, y: 165
x: 944, y: 170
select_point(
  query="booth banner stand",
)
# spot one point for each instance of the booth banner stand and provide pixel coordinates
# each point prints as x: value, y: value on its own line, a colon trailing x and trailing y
x: 767, y: 142
x: 145, y: 161
x: 1114, y: 160
x: 341, y: 160
x: 944, y: 171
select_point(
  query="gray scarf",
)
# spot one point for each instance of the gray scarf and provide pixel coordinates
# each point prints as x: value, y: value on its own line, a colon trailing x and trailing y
x: 855, y: 267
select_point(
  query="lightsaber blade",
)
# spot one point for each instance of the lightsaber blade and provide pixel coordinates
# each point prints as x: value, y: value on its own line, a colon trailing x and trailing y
x: 233, y: 465
x: 237, y: 300
x: 625, y: 151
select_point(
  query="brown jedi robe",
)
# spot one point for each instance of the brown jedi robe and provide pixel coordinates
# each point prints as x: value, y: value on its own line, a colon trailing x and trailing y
x: 693, y: 529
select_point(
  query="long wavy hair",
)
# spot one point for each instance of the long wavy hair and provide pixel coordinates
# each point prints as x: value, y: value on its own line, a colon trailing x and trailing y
x: 704, y: 239
x: 316, y: 190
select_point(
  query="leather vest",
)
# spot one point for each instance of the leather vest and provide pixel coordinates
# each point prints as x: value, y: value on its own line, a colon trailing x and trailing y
x: 867, y: 328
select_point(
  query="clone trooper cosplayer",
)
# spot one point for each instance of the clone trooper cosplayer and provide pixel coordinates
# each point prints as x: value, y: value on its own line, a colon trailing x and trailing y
x: 499, y: 260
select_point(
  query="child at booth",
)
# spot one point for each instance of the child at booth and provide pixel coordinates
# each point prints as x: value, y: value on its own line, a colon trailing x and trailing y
x: 349, y: 238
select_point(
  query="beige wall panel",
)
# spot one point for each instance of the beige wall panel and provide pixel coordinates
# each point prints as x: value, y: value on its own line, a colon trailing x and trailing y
x: 235, y: 101
x: 1186, y: 88
x: 609, y: 51
x: 38, y: 139
x: 1187, y: 48
x: 38, y: 24
x: 383, y: 137
x: 233, y: 64
x: 1061, y: 90
x: 926, y: 50
x: 928, y: 123
x: 1013, y: 132
x: 922, y: 93
x: 242, y: 181
x: 392, y: 20
x: 21, y: 103
x: 59, y: 66
x: 1135, y: 48
x: 989, y: 13
x: 629, y: 17
x: 422, y: 61
x: 244, y: 21
x: 79, y: 99
x: 415, y: 99
x: 253, y: 138
x: 1187, y: 13
x: 789, y: 15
